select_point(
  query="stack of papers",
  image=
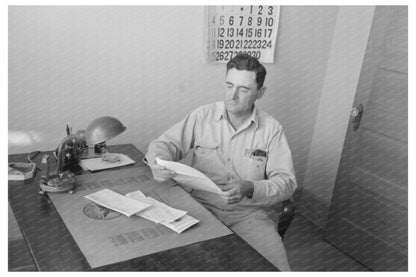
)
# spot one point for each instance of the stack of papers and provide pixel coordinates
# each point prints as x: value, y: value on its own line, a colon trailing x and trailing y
x: 175, y: 219
x: 190, y: 177
x: 117, y: 202
x: 146, y: 207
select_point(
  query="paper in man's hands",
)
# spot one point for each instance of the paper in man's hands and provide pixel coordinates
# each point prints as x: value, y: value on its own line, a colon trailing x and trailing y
x: 190, y: 177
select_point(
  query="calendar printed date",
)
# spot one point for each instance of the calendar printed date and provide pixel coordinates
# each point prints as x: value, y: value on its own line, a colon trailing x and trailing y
x: 228, y: 55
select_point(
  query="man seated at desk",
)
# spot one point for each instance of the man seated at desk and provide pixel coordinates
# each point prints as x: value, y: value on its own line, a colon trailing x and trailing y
x: 241, y: 149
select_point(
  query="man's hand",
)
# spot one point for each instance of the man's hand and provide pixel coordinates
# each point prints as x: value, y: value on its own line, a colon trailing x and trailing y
x: 161, y: 173
x: 236, y: 191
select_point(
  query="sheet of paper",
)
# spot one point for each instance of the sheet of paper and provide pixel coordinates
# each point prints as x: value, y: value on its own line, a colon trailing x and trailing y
x: 189, y: 176
x: 117, y: 202
x: 99, y: 164
x: 158, y: 211
x: 181, y: 224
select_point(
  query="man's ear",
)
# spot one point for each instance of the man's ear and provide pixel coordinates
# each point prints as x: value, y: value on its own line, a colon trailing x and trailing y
x: 261, y: 92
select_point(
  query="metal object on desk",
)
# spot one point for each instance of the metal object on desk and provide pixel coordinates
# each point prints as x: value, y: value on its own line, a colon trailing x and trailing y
x: 71, y: 149
x: 73, y: 146
x: 61, y: 182
x: 102, y: 129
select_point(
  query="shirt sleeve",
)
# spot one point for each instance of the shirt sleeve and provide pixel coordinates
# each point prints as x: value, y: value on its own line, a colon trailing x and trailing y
x: 174, y: 143
x: 281, y: 181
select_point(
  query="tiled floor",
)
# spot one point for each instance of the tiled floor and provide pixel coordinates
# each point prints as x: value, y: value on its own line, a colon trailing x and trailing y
x: 305, y: 248
x: 308, y: 252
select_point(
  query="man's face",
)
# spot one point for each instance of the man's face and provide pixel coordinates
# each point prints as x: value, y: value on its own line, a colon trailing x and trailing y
x: 241, y: 92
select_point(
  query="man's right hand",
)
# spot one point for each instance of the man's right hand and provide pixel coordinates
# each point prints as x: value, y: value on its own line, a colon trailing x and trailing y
x: 161, y: 173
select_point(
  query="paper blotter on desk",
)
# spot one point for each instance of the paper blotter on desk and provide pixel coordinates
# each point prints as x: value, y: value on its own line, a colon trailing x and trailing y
x: 190, y: 177
x: 107, y: 237
x: 175, y: 219
x: 100, y: 164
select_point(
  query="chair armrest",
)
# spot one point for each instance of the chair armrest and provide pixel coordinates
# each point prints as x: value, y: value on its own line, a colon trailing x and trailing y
x: 286, y: 216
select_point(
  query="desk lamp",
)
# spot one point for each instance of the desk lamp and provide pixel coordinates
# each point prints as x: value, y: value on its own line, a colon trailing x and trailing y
x: 70, y: 151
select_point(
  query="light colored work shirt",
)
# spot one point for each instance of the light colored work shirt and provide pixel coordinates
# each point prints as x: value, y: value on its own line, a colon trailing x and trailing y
x: 257, y: 151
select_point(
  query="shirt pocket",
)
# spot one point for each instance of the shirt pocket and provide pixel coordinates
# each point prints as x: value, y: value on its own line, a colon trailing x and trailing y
x: 254, y: 168
x: 206, y: 158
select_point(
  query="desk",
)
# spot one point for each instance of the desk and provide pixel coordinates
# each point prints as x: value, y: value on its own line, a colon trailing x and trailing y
x: 53, y: 248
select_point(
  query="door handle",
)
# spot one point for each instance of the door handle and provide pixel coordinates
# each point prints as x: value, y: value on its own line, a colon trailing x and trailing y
x: 356, y: 115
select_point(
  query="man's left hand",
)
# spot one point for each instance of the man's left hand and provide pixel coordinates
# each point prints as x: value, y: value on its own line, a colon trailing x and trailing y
x: 234, y: 192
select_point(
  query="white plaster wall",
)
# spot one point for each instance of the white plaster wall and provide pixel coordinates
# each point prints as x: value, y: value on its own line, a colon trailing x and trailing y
x: 144, y: 65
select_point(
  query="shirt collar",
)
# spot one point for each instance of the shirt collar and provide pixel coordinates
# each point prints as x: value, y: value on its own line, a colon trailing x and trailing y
x: 254, y: 116
x: 220, y: 113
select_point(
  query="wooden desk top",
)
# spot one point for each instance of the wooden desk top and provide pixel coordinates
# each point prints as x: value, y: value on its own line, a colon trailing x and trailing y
x: 53, y: 248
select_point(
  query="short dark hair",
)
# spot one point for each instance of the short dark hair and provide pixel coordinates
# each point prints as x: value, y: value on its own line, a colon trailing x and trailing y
x: 247, y: 62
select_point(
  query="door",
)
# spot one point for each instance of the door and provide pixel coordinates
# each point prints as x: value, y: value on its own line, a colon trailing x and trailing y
x: 368, y: 215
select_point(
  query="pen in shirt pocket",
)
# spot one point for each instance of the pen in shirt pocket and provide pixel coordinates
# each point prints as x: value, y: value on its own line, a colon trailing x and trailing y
x: 258, y: 153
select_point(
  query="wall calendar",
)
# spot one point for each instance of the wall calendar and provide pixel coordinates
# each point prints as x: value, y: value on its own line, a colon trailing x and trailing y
x: 231, y: 30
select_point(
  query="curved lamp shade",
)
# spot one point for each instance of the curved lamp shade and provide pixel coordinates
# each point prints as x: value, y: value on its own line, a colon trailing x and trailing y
x: 102, y: 129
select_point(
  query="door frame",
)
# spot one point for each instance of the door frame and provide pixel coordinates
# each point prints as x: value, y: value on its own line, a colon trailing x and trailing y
x: 344, y: 67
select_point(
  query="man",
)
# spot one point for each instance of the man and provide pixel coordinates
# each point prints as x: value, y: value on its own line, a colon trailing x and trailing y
x: 243, y: 150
